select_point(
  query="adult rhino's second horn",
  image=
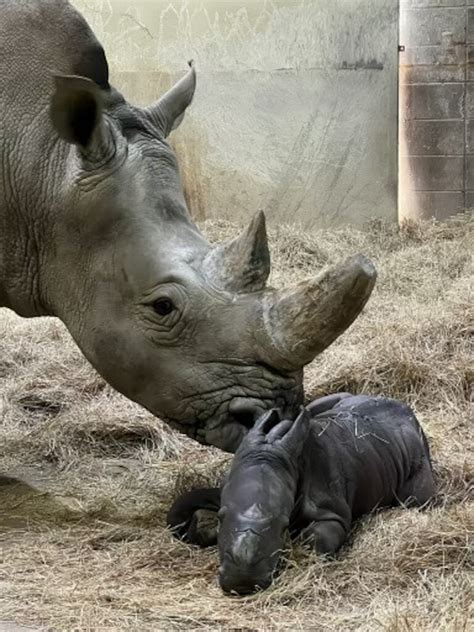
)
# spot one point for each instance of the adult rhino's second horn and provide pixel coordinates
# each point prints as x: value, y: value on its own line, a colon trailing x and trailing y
x: 301, y: 321
x: 242, y: 264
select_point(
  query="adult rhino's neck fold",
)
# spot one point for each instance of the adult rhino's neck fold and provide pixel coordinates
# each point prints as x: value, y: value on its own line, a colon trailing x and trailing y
x: 22, y: 271
x: 30, y: 210
x: 4, y: 299
x: 26, y: 301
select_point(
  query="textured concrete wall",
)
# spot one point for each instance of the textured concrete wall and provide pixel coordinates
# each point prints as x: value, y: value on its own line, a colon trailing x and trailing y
x: 296, y: 107
x: 437, y: 107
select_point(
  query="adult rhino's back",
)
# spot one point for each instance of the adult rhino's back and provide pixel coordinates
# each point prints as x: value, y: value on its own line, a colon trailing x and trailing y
x: 39, y: 38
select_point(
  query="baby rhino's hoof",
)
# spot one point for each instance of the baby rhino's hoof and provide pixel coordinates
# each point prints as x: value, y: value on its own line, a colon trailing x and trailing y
x: 325, y: 537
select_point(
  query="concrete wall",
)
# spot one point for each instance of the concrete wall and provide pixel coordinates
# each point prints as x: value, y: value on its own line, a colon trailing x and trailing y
x: 437, y: 107
x: 296, y: 107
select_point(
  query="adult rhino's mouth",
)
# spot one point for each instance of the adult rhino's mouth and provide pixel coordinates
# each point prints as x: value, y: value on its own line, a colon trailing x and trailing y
x: 226, y: 423
x: 228, y: 430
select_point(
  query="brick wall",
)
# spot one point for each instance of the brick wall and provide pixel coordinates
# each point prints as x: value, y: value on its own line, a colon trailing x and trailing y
x: 436, y: 107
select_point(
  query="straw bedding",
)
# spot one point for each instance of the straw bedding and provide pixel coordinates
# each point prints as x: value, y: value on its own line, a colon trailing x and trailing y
x: 88, y: 476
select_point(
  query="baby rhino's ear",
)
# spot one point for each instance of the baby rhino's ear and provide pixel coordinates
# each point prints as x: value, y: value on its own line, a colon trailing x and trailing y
x: 266, y: 422
x: 257, y: 435
x: 291, y: 434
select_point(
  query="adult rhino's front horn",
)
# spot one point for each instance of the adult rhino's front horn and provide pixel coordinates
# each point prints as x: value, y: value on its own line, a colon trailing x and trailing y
x: 301, y: 321
x: 298, y: 322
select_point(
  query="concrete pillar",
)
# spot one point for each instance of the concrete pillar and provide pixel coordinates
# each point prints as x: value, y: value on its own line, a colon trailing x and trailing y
x: 436, y: 108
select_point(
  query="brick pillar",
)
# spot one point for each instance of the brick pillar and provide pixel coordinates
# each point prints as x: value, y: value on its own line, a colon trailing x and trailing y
x: 470, y: 105
x: 436, y: 106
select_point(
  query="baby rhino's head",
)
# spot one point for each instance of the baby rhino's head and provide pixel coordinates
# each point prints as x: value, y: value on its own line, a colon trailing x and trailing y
x: 257, y: 501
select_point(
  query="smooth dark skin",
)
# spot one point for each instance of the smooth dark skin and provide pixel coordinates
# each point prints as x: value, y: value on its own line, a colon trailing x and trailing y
x: 341, y: 458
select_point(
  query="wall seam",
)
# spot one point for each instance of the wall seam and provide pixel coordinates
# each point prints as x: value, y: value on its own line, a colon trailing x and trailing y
x: 466, y: 57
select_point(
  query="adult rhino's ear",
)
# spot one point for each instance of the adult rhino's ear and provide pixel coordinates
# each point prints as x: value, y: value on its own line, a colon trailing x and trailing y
x: 168, y: 112
x: 291, y: 434
x: 76, y: 112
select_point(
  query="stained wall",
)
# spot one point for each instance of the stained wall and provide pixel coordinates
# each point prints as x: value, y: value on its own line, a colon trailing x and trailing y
x: 296, y: 107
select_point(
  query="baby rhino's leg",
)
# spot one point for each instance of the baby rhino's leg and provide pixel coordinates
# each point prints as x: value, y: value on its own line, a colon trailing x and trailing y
x: 185, y: 517
x: 203, y: 529
x: 326, y: 536
x: 419, y: 488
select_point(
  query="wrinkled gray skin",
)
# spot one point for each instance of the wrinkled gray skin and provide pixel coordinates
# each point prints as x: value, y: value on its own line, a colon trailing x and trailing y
x: 340, y: 459
x: 94, y: 229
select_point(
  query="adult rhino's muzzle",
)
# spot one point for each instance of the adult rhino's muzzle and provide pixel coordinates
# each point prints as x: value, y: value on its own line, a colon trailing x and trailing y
x: 245, y: 410
x: 226, y: 431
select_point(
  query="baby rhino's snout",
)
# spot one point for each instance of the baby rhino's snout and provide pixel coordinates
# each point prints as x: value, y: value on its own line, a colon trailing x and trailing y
x: 243, y: 569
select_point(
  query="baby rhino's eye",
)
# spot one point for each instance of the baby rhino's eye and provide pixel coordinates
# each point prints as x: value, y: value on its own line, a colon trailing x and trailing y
x: 163, y: 306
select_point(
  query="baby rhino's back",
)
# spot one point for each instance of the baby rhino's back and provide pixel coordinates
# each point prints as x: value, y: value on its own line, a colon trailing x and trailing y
x: 367, y: 452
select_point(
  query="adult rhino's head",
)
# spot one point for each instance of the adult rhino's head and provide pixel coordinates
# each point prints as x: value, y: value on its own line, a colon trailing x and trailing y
x: 188, y: 330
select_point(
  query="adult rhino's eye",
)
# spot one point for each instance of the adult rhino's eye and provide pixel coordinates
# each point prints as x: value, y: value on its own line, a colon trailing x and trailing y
x: 163, y: 306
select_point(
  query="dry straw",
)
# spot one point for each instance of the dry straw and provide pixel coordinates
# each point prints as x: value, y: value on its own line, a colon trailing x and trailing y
x: 83, y: 544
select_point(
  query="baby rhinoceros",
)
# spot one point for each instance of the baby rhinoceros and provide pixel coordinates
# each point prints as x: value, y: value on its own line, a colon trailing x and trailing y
x: 341, y: 458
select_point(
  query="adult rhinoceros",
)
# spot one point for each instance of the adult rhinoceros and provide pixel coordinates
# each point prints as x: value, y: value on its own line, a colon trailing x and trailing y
x: 95, y: 230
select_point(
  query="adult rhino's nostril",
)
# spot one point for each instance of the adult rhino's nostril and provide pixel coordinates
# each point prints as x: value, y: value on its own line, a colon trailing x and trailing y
x: 245, y: 411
